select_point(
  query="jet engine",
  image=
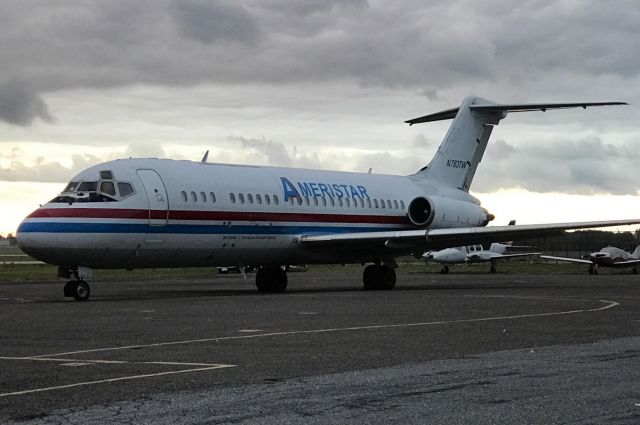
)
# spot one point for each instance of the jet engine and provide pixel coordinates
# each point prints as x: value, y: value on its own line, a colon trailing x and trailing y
x: 437, y: 211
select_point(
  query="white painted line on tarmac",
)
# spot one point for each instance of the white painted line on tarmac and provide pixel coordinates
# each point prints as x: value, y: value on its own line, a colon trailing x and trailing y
x: 88, y: 361
x: 123, y: 378
x: 609, y: 304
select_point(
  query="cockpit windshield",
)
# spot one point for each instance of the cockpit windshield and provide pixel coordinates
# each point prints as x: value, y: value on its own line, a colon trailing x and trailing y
x: 106, y: 190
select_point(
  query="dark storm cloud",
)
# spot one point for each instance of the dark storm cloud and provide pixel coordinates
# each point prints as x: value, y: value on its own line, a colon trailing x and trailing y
x: 211, y: 22
x: 20, y: 105
x: 393, y: 44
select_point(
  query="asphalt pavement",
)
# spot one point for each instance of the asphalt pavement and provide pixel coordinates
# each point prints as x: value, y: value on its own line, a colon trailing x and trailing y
x: 457, y: 348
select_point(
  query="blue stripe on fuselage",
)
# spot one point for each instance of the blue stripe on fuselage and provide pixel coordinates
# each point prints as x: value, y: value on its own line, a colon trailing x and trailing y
x: 58, y: 227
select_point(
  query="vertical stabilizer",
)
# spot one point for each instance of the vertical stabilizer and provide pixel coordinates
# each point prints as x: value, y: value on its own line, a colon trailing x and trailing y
x: 636, y: 253
x: 456, y: 161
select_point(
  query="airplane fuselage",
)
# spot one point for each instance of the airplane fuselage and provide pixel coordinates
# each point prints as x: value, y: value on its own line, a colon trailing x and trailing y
x: 183, y: 213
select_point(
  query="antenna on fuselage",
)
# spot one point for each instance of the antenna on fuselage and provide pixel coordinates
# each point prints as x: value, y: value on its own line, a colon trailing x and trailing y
x: 370, y: 170
x: 205, y: 157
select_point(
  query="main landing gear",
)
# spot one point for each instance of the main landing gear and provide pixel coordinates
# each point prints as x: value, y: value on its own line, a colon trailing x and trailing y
x: 271, y: 279
x: 593, y: 269
x: 444, y: 269
x: 78, y: 289
x: 379, y: 277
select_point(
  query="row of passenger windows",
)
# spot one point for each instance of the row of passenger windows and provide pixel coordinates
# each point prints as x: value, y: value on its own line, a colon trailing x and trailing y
x: 194, y: 197
x: 266, y: 199
x: 347, y: 202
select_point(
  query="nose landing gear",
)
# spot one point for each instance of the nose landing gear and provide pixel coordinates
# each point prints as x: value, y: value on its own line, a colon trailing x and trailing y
x: 77, y: 288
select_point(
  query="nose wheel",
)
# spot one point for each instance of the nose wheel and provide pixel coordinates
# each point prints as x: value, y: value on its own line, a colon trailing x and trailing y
x: 78, y: 289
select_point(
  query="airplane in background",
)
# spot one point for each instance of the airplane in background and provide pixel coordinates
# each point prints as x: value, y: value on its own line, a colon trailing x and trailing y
x: 609, y: 256
x: 150, y: 213
x: 474, y: 254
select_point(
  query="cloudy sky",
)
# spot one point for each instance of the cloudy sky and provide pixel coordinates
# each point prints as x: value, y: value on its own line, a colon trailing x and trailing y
x: 324, y: 84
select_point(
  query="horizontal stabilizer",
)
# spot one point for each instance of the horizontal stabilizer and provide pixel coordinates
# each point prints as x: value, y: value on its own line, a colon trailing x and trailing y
x: 524, y: 107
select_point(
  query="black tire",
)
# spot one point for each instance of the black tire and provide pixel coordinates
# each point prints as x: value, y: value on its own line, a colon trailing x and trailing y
x: 271, y: 280
x: 81, y: 291
x: 69, y: 288
x: 388, y: 275
x: 370, y: 277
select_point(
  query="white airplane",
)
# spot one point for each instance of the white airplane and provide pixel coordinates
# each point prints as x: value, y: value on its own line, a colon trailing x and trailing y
x: 474, y: 254
x: 138, y: 213
x: 609, y: 256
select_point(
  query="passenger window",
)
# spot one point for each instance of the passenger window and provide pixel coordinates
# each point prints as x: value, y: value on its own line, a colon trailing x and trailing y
x: 194, y: 197
x: 108, y: 187
x: 241, y: 198
x: 402, y: 204
x: 375, y: 203
x: 276, y: 200
x: 259, y: 199
x: 347, y: 202
x: 332, y: 202
x: 107, y: 175
x: 315, y: 201
x: 368, y: 203
x: 212, y: 196
x: 203, y: 197
x: 232, y: 197
x: 291, y: 200
x: 126, y: 189
x: 183, y: 193
x: 382, y: 203
x: 388, y: 204
x: 339, y: 202
x: 395, y: 204
x: 299, y: 200
x: 306, y: 200
x: 361, y: 203
x: 324, y: 201
x: 250, y: 198
x: 267, y: 199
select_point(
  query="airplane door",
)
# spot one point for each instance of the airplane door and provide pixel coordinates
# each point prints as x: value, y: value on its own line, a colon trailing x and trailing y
x: 157, y: 197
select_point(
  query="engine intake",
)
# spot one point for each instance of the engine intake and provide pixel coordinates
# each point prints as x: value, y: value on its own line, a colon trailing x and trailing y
x: 421, y: 211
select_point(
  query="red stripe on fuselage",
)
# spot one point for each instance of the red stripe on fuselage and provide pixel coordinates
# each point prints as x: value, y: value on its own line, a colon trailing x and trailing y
x: 215, y: 215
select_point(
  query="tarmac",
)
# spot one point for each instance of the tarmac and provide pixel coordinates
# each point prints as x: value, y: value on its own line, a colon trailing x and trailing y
x: 456, y: 348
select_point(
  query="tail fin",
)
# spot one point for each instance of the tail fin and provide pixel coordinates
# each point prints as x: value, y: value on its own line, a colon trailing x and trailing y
x: 636, y: 253
x: 461, y: 151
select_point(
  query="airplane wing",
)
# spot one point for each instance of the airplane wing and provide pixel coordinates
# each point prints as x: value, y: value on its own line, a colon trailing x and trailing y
x: 401, y: 242
x: 628, y: 263
x: 522, y: 254
x: 568, y: 260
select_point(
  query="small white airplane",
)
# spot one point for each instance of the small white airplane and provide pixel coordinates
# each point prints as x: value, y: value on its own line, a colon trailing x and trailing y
x: 474, y: 254
x: 138, y: 213
x: 609, y: 256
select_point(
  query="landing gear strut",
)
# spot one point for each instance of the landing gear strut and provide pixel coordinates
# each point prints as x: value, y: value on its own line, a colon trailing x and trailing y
x: 493, y: 268
x: 378, y: 277
x: 444, y: 269
x: 593, y: 269
x: 271, y: 279
x: 78, y: 289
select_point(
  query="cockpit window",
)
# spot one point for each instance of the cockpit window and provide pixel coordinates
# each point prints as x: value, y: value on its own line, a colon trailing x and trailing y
x: 125, y: 189
x: 71, y: 187
x: 107, y: 175
x: 102, y: 191
x: 87, y: 187
x: 108, y: 187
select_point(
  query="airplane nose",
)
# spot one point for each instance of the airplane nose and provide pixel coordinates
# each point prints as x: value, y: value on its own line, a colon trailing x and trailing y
x: 30, y: 240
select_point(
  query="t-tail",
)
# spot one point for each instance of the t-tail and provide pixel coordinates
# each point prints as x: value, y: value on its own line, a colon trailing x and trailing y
x: 456, y: 161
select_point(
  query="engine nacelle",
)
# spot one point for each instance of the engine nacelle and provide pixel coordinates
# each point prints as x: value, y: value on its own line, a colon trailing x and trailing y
x: 421, y: 211
x: 437, y: 212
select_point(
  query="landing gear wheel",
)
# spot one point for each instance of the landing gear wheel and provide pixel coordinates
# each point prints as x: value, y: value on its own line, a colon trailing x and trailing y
x: 635, y: 270
x: 492, y: 269
x: 444, y: 270
x: 378, y: 277
x: 591, y: 269
x: 271, y: 280
x: 78, y: 289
